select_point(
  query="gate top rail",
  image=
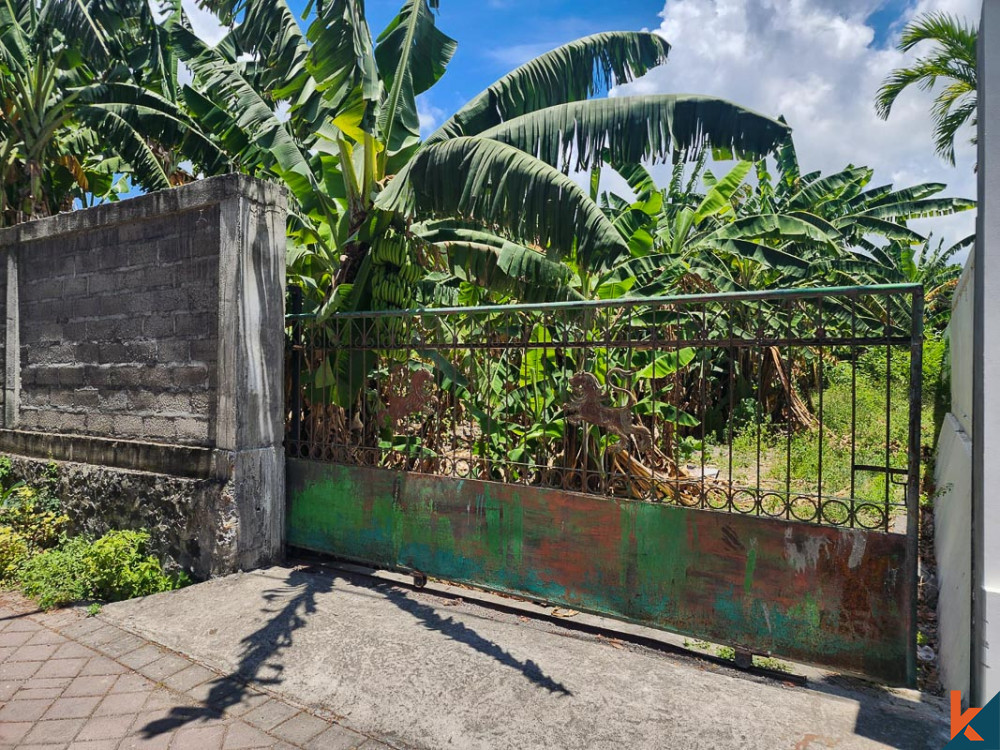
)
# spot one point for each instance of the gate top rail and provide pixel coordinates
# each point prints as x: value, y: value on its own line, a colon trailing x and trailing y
x: 849, y: 292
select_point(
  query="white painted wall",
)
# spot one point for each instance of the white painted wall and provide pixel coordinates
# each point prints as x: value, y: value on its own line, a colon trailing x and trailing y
x: 953, y: 550
x: 953, y: 501
x: 960, y: 338
x: 986, y: 369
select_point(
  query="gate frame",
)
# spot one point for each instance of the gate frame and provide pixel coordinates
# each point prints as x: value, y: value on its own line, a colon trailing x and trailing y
x: 912, y: 491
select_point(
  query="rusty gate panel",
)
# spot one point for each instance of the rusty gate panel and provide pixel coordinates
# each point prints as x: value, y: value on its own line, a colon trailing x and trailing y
x: 832, y: 596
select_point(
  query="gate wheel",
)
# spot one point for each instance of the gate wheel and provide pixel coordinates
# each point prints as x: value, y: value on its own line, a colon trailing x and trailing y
x: 419, y: 580
x: 743, y: 659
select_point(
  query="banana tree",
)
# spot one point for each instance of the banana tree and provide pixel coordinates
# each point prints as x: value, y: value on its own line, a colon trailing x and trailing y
x: 487, y: 197
x: 679, y: 236
x: 85, y: 99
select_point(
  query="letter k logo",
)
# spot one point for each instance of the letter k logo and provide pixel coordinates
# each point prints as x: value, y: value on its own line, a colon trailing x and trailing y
x: 961, y: 720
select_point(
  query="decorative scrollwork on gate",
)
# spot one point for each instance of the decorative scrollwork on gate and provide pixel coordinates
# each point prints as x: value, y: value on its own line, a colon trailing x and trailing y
x: 586, y: 405
x: 417, y: 398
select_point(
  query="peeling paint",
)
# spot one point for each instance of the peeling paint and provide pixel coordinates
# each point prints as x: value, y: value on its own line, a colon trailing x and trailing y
x: 857, y: 551
x: 751, y: 564
x: 769, y: 585
x: 803, y: 554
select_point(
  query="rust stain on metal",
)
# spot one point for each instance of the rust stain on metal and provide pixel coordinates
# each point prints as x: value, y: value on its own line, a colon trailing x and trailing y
x: 834, y: 597
x: 586, y: 405
x: 418, y: 398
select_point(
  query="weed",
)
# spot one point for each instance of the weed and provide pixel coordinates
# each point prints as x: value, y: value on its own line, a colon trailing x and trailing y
x: 121, y: 568
x: 14, y: 550
x: 769, y: 662
x: 725, y: 652
x: 35, y: 521
x: 58, y: 576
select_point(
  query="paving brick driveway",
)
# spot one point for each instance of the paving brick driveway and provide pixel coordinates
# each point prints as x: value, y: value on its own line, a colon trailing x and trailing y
x: 69, y: 681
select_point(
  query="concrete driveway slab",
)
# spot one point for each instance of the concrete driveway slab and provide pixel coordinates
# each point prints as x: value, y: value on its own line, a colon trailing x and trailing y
x: 426, y: 671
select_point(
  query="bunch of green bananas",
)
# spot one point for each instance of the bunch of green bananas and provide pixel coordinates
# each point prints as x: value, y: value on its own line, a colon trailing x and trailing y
x: 394, y: 273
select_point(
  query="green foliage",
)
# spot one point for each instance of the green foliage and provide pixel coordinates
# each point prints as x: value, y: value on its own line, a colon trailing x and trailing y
x: 114, y: 567
x: 769, y: 662
x: 121, y: 567
x: 349, y: 150
x: 786, y: 230
x: 58, y: 576
x: 14, y: 550
x: 854, y: 401
x: 953, y: 62
x: 935, y: 366
x: 30, y: 520
x: 34, y: 515
x: 88, y: 98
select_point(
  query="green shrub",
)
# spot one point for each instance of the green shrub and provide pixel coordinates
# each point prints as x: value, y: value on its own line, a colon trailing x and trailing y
x: 37, y: 522
x: 14, y: 551
x: 60, y: 575
x: 121, y: 567
x: 115, y: 567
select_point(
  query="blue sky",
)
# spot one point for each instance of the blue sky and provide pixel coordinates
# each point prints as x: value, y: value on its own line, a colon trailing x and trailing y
x: 495, y: 36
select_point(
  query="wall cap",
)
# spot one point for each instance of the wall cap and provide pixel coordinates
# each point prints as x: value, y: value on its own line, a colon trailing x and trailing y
x: 199, y: 194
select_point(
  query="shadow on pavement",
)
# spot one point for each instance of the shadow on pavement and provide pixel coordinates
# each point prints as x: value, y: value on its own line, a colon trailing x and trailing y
x: 258, y: 665
x: 259, y: 648
x: 461, y: 633
x: 882, y: 717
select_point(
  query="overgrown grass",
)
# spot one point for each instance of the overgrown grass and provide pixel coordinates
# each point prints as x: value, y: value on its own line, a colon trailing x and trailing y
x: 862, y: 414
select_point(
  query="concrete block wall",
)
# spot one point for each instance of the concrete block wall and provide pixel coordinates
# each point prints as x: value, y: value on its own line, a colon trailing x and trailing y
x: 119, y: 329
x: 144, y: 351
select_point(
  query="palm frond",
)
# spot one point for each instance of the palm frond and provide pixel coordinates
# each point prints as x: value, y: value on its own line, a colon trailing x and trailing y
x: 497, y: 185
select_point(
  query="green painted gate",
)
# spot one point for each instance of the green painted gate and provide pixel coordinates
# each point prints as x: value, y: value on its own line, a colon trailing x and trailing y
x: 640, y: 459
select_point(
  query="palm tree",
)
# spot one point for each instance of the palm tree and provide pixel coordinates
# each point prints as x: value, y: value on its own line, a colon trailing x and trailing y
x: 85, y: 99
x: 487, y: 197
x: 953, y: 62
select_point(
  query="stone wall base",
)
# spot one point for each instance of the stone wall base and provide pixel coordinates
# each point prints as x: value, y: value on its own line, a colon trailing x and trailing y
x: 194, y: 524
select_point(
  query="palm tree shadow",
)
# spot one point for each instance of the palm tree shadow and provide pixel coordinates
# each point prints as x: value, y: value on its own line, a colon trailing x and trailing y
x: 259, y: 650
x: 461, y: 633
x: 259, y: 663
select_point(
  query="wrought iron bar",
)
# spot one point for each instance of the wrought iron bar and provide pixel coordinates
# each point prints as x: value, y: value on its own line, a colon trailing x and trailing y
x: 715, y: 401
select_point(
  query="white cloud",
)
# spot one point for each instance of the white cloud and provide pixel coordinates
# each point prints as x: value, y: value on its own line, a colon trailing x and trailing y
x: 204, y: 23
x: 429, y: 115
x: 814, y: 62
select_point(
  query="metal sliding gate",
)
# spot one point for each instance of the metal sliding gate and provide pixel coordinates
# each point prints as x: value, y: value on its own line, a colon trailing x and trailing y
x: 742, y: 468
